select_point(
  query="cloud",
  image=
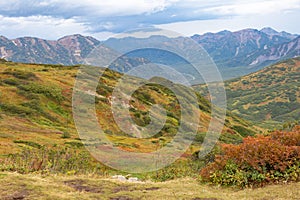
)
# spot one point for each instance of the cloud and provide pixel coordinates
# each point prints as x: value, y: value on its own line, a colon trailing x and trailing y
x: 116, y: 16
x: 71, y: 8
x: 254, y: 7
x: 39, y: 26
x: 281, y: 22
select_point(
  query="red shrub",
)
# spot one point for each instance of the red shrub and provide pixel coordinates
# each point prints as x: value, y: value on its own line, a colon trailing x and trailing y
x: 270, y: 156
x: 288, y: 138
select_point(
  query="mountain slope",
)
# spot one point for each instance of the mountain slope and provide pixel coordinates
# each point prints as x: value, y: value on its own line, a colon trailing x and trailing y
x: 36, y: 109
x: 235, y: 53
x: 278, y: 52
x: 231, y: 49
x: 67, y: 50
x: 246, y: 51
x: 269, y: 95
x: 272, y: 32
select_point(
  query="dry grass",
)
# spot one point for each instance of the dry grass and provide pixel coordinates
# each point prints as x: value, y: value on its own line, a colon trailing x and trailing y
x: 16, y: 186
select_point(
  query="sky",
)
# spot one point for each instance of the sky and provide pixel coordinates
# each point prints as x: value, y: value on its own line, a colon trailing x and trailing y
x: 52, y: 19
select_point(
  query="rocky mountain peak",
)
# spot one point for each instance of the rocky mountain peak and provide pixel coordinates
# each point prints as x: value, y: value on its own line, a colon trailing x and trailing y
x: 269, y: 31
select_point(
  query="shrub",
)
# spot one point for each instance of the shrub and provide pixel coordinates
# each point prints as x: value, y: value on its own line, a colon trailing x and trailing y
x: 15, y: 109
x: 28, y: 95
x: 257, y: 161
x: 33, y: 105
x: 75, y: 144
x: 288, y: 138
x: 179, y: 169
x: 29, y: 143
x: 243, y: 131
x: 50, y: 92
x: 65, y: 135
x: 230, y: 138
x: 11, y: 81
x: 199, y: 138
x: 208, y: 158
x: 21, y: 74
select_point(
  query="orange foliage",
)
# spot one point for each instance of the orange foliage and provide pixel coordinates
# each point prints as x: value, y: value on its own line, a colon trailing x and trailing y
x: 267, y: 155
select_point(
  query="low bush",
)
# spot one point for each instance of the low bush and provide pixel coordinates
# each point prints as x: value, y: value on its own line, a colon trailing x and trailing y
x: 11, y: 81
x: 15, y: 109
x: 257, y: 161
x: 66, y: 135
x: 179, y: 169
x: 28, y: 95
x: 75, y: 144
x: 243, y: 131
x: 21, y: 74
x: 50, y: 92
x: 29, y: 143
x: 230, y: 138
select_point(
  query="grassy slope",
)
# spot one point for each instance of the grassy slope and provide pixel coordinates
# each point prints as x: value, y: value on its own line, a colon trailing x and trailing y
x: 83, y: 187
x: 35, y: 105
x: 270, y: 96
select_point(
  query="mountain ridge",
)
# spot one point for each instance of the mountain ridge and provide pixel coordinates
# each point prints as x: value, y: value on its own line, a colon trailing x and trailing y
x: 235, y: 53
x: 239, y: 48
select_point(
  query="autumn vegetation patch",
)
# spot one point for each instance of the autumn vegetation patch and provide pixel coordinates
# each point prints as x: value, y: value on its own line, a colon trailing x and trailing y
x: 257, y: 161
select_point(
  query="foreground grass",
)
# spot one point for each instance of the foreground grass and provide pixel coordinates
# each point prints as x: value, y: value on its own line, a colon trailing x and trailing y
x: 17, y: 186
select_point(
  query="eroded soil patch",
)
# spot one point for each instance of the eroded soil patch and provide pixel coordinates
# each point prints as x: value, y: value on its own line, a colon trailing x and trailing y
x: 81, y: 185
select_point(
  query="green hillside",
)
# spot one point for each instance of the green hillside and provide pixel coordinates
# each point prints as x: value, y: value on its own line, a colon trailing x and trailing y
x: 36, y: 110
x: 270, y: 96
x: 38, y: 139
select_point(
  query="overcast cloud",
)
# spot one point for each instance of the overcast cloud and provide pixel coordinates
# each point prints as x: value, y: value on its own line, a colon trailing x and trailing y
x: 54, y: 18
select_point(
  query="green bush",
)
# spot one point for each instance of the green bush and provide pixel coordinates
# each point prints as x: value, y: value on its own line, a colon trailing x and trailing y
x: 21, y: 74
x: 29, y: 143
x: 243, y: 131
x: 179, y: 169
x: 28, y: 95
x: 15, y: 109
x: 34, y: 105
x: 75, y: 144
x: 65, y: 135
x: 230, y: 138
x: 48, y: 91
x: 12, y: 81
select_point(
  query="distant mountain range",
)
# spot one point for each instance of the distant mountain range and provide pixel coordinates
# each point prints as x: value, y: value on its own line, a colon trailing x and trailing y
x: 68, y: 50
x: 235, y: 53
x: 249, y: 47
